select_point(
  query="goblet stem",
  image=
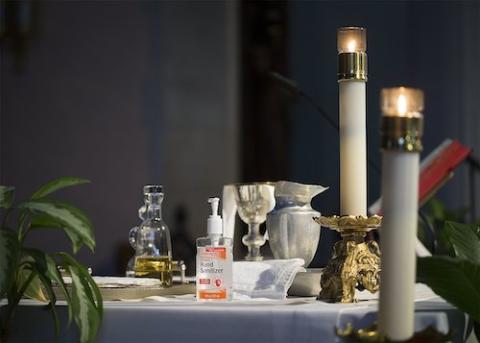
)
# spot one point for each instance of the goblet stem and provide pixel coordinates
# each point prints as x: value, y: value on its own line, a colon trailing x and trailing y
x: 253, y: 240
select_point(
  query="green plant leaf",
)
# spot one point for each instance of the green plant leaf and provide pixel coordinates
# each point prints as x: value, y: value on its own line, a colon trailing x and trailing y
x: 6, y: 196
x: 47, y: 265
x: 57, y: 184
x: 9, y: 249
x: 464, y: 239
x: 97, y: 296
x: 476, y: 329
x: 36, y: 284
x: 455, y: 280
x: 437, y: 209
x: 76, y: 224
x: 47, y: 222
x: 85, y: 299
x: 46, y: 282
x: 34, y: 288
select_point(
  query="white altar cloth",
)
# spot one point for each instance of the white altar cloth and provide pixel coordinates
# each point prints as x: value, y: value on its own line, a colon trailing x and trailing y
x: 184, y: 320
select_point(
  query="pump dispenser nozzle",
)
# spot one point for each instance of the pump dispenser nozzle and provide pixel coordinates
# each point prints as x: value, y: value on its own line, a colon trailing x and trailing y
x: 214, y: 222
x: 214, y: 203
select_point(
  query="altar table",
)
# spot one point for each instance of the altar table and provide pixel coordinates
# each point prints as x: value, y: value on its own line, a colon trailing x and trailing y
x: 183, y: 320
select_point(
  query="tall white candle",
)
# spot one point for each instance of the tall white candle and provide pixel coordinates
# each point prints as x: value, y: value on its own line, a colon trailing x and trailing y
x: 352, y: 117
x: 353, y: 148
x: 401, y: 132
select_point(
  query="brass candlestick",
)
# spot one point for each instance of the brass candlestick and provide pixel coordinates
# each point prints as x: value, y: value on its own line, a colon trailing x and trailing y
x: 372, y: 335
x: 354, y: 263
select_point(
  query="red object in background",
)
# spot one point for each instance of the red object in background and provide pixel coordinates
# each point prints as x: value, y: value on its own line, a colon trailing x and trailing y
x: 436, y: 169
x: 439, y: 166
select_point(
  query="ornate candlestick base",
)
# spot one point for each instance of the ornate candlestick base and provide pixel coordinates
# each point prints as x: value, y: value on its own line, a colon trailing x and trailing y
x: 372, y: 335
x: 354, y: 263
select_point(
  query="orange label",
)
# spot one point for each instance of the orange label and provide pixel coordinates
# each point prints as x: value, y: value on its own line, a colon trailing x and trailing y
x: 221, y: 294
x: 218, y: 253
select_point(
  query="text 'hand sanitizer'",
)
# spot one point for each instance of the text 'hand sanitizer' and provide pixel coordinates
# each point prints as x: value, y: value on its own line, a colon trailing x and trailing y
x: 214, y: 260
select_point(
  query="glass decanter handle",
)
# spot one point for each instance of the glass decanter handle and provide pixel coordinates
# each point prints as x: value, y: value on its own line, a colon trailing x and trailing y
x: 142, y: 212
x: 132, y: 237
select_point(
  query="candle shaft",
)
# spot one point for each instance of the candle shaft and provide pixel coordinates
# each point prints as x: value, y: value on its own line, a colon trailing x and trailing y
x: 353, y: 148
x: 397, y: 241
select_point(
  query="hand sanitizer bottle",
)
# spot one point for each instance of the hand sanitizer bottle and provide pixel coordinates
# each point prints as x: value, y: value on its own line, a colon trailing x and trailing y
x: 214, y: 260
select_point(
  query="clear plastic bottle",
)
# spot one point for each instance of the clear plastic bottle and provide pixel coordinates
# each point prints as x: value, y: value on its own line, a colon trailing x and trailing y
x: 153, y: 246
x: 214, y: 260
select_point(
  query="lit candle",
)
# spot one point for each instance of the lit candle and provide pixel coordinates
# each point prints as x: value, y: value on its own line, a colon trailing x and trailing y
x: 352, y: 78
x: 402, y: 125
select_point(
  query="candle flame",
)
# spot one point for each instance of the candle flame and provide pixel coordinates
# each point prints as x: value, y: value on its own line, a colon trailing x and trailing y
x: 352, y: 45
x: 402, y: 105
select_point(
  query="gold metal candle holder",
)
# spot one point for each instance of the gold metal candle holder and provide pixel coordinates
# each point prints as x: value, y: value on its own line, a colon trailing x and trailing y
x: 372, y: 335
x: 354, y: 263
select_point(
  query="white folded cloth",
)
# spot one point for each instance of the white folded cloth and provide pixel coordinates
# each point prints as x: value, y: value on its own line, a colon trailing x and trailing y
x: 269, y: 279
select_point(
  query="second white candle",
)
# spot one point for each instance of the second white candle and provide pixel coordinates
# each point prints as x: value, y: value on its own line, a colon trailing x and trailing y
x: 398, y: 237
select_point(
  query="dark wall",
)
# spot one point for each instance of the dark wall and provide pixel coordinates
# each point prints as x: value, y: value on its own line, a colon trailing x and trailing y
x: 428, y: 45
x: 124, y: 94
x: 76, y: 108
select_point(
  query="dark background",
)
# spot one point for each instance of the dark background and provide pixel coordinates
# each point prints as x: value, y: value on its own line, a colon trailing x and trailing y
x: 178, y: 93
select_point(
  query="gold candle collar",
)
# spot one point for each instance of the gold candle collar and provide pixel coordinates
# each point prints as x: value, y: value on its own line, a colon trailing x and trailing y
x: 402, y: 133
x: 402, y: 121
x: 352, y: 66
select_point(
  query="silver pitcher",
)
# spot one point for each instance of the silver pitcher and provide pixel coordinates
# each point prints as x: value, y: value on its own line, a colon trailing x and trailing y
x: 292, y: 232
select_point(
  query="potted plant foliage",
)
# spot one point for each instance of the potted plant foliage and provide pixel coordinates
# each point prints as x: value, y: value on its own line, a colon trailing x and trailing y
x: 455, y: 274
x: 33, y: 273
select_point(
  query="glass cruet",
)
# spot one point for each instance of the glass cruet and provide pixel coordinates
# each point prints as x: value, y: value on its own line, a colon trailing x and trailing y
x: 151, y: 240
x: 143, y: 214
